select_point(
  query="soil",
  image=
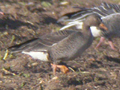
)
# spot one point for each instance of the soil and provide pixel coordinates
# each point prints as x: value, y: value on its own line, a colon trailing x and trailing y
x: 28, y: 19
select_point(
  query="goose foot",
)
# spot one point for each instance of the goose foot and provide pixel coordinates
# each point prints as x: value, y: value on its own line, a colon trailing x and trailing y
x: 62, y: 68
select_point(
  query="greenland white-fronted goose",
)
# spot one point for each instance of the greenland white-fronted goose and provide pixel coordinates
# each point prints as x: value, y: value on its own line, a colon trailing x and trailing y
x: 61, y: 45
x: 110, y: 15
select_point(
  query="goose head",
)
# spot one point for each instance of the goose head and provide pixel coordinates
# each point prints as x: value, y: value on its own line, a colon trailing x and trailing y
x: 93, y: 20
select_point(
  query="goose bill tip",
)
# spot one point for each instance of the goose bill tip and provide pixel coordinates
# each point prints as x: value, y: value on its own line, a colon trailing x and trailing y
x: 103, y: 26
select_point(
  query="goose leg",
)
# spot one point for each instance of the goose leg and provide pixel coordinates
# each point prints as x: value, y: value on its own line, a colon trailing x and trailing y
x: 111, y: 45
x: 62, y: 68
x: 54, y: 67
x: 100, y: 42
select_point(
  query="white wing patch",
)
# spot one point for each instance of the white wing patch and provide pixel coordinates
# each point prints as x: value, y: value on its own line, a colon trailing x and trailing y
x: 79, y: 25
x: 73, y: 23
x: 43, y: 56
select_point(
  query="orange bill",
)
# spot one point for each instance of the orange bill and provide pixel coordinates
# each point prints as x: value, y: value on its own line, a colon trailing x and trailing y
x: 103, y: 26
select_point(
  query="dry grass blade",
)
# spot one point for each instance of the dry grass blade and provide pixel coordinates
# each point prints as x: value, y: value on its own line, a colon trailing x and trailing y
x: 5, y: 55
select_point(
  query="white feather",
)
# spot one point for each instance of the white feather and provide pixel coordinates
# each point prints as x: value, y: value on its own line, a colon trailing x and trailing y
x: 79, y: 25
x: 95, y: 31
x: 38, y: 55
x: 74, y: 23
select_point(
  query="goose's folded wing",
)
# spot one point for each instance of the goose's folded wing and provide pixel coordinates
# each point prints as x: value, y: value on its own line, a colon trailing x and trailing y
x: 74, y: 15
x: 56, y: 36
x: 42, y: 43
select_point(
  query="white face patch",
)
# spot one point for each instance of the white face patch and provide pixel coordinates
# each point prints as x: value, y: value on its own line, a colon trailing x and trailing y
x: 95, y: 31
x: 38, y: 55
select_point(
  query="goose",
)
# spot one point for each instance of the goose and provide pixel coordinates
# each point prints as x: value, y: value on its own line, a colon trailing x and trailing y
x: 110, y: 15
x: 61, y: 45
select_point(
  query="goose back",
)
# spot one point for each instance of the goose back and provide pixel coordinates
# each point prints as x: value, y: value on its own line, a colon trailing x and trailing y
x: 112, y: 22
x: 76, y: 44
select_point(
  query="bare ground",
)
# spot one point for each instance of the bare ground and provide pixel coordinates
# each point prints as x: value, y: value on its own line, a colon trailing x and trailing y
x: 28, y: 19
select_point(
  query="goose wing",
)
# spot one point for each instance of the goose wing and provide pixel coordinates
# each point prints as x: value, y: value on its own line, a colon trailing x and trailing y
x: 103, y: 10
x: 42, y: 43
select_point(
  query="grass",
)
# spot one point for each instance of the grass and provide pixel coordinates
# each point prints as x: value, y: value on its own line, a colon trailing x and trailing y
x: 23, y: 84
x: 6, y: 55
x: 27, y: 75
x: 46, y: 4
x: 8, y: 71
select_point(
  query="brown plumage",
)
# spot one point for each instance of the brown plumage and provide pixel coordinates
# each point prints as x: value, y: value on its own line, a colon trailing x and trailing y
x: 61, y: 45
x: 110, y: 15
